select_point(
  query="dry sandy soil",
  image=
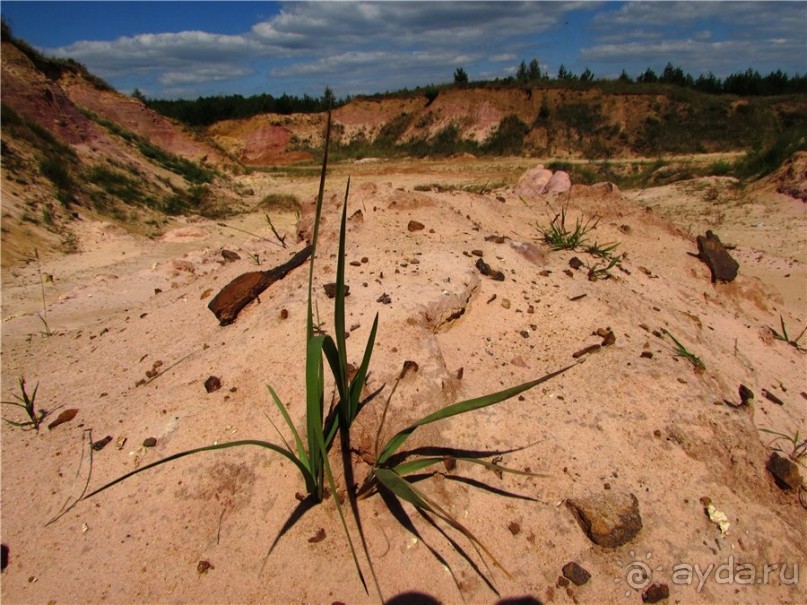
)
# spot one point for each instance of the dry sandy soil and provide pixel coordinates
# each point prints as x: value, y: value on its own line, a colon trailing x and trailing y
x: 634, y: 418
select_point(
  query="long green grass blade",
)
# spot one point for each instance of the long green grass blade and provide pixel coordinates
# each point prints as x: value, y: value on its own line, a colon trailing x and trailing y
x: 406, y: 491
x: 314, y: 390
x: 357, y: 384
x: 462, y: 407
x: 414, y: 466
x: 339, y: 319
x: 318, y: 442
x: 301, y: 453
x: 209, y: 448
x: 315, y: 235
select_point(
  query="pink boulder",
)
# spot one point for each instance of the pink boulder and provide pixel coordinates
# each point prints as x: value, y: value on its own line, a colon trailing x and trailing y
x: 533, y: 181
x: 559, y: 183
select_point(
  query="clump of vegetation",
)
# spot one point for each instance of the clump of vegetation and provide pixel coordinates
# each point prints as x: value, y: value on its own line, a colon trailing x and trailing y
x: 56, y: 171
x: 508, y: 138
x: 682, y: 351
x: 797, y: 445
x: 27, y: 402
x: 784, y: 337
x: 190, y: 171
x: 116, y: 184
x: 560, y: 237
x: 393, y: 471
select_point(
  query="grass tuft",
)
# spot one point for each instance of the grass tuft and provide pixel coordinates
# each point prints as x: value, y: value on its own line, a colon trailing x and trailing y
x: 561, y: 237
x: 682, y: 351
x: 783, y: 336
x: 27, y: 402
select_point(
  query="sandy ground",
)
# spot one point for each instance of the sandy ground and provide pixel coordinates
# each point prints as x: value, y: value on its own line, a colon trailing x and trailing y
x: 619, y: 422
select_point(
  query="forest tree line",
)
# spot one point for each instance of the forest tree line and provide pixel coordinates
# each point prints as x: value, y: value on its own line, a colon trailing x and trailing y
x: 205, y: 111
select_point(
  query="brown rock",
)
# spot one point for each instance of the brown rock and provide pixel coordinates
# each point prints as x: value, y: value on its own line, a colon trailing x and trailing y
x: 609, y: 520
x: 213, y: 383
x: 714, y: 254
x: 415, y: 226
x: 575, y: 263
x: 785, y: 472
x: 771, y: 397
x: 245, y: 288
x: 149, y: 442
x: 65, y: 416
x: 230, y: 256
x: 656, y: 592
x: 576, y: 574
x: 746, y: 394
x: 330, y: 290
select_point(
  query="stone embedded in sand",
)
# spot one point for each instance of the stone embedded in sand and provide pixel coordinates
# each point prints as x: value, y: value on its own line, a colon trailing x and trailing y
x: 415, y: 226
x: 97, y: 446
x: 574, y: 572
x: 230, y: 256
x: 785, y: 472
x: 609, y: 520
x: 213, y: 383
x: 609, y: 339
x: 575, y: 263
x: 485, y: 269
x: 771, y: 397
x: 330, y: 290
x: 656, y: 592
x: 559, y: 183
x: 714, y: 254
x: 65, y: 416
x: 746, y: 394
x: 149, y: 442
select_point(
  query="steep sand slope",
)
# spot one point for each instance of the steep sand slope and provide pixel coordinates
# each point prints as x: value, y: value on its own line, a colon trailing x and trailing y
x: 619, y: 422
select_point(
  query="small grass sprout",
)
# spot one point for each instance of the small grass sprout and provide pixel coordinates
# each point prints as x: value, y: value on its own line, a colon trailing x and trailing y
x: 601, y: 270
x: 605, y: 251
x: 560, y: 237
x: 27, y: 402
x: 682, y: 351
x: 783, y: 336
x: 797, y: 448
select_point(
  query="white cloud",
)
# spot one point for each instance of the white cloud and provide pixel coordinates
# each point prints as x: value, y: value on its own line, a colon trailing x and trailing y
x: 372, y: 46
x: 207, y: 73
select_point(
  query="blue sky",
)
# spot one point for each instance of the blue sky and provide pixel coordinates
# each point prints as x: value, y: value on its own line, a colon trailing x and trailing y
x: 189, y: 49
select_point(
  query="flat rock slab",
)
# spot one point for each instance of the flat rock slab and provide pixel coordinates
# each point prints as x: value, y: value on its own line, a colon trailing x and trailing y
x: 609, y: 520
x: 714, y: 254
x: 245, y: 288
